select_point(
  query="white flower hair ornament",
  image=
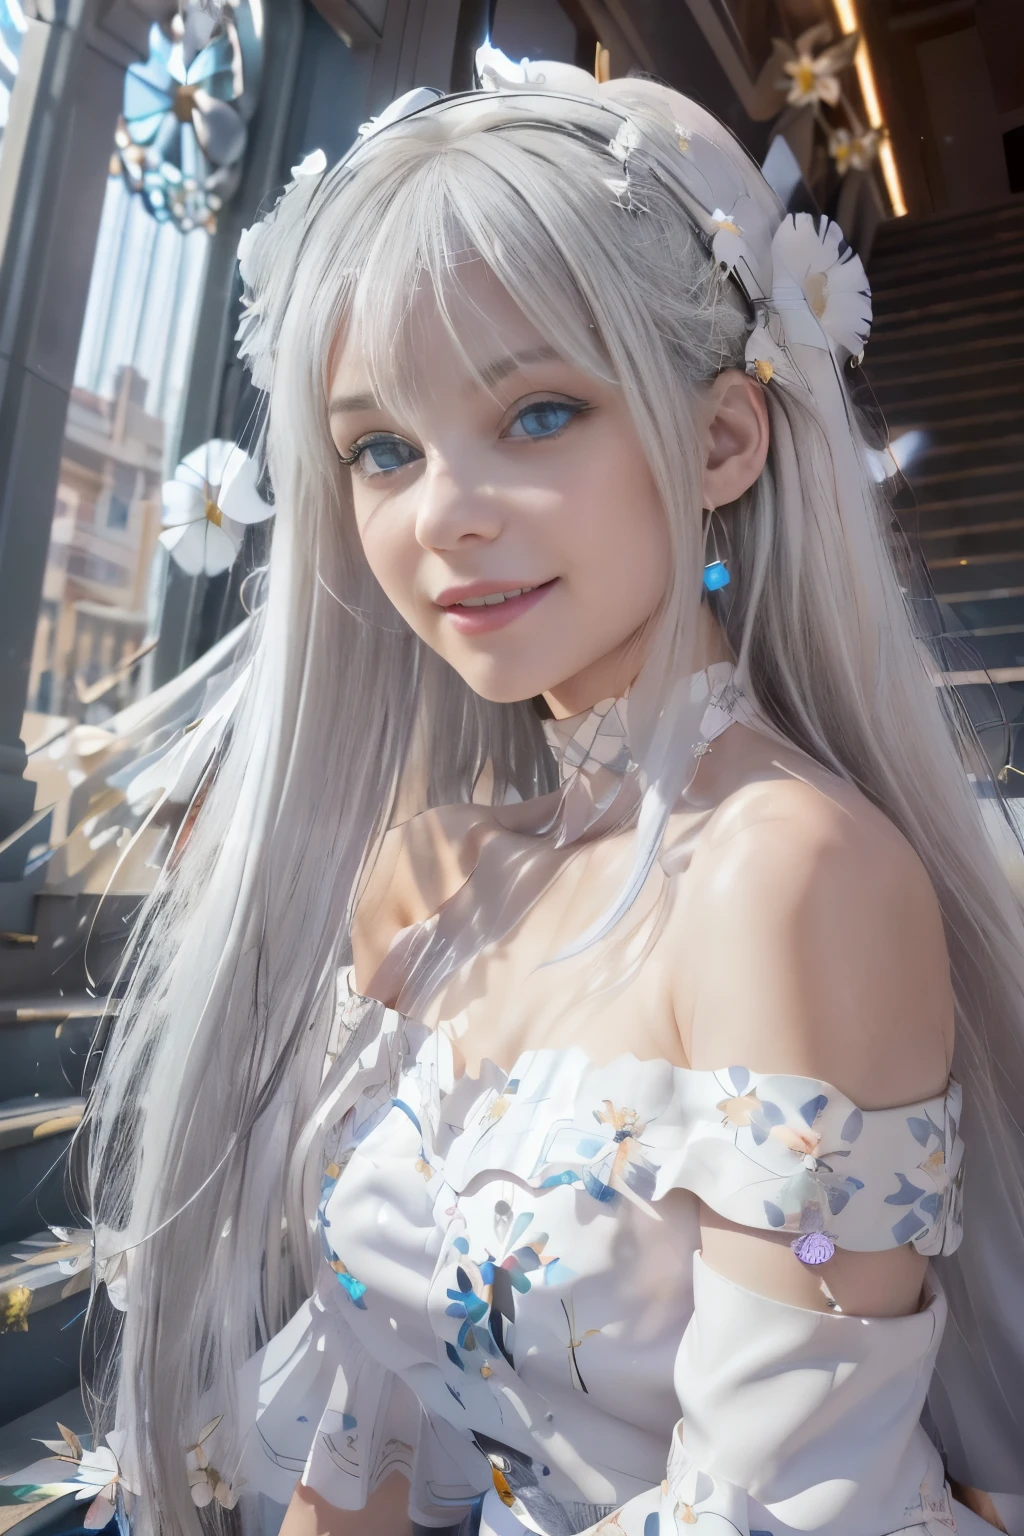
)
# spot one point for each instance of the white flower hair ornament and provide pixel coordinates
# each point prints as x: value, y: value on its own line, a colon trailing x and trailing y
x: 820, y: 299
x: 808, y: 292
x: 214, y: 493
x: 264, y: 262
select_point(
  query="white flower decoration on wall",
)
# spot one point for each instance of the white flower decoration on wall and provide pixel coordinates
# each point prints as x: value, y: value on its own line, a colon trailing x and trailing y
x: 214, y: 494
x: 809, y: 77
x: 853, y: 151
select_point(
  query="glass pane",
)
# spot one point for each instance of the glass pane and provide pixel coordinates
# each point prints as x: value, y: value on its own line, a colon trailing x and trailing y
x: 100, y: 612
x: 12, y: 29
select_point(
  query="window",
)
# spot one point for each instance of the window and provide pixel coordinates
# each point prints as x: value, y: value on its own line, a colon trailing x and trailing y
x: 122, y: 495
x: 12, y: 29
x: 103, y: 583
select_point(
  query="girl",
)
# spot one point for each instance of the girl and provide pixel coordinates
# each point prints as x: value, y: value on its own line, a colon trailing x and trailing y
x: 588, y: 731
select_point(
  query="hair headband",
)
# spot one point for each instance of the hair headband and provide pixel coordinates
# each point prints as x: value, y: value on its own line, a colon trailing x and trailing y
x: 806, y: 287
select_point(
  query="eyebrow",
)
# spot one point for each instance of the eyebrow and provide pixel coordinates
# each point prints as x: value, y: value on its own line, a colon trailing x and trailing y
x: 490, y: 374
x: 343, y: 404
x: 493, y: 373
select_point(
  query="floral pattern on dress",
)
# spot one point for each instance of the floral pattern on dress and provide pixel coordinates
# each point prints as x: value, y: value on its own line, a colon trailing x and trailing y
x: 773, y: 1152
x: 354, y: 1289
x: 817, y: 1190
x: 614, y: 1164
x: 574, y: 1147
x: 933, y: 1199
x: 483, y: 1296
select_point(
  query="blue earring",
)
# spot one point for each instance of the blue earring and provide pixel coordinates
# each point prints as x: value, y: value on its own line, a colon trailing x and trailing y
x: 716, y: 576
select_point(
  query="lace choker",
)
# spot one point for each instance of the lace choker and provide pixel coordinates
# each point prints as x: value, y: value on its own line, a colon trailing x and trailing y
x: 597, y: 738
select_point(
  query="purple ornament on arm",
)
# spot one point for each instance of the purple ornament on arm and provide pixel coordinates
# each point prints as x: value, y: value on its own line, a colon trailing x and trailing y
x: 813, y: 1247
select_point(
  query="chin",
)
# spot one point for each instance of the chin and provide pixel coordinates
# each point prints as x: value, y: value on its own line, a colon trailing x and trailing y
x: 512, y: 687
x: 513, y: 693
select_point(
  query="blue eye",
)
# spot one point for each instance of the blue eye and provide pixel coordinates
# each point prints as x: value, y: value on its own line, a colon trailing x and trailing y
x: 380, y: 455
x: 544, y: 418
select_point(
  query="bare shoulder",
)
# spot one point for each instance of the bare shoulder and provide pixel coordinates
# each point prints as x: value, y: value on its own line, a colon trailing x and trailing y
x: 420, y: 863
x: 820, y: 944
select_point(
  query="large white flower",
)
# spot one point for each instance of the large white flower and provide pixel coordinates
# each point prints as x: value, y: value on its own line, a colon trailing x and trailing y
x: 214, y: 491
x: 812, y: 262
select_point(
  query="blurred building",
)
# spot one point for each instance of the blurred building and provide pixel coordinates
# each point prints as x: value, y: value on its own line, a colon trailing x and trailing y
x: 93, y: 615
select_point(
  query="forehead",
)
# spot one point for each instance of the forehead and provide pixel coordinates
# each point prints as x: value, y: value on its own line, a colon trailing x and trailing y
x: 459, y: 332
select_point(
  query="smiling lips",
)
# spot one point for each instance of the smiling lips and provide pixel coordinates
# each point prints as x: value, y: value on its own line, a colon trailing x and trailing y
x: 473, y: 610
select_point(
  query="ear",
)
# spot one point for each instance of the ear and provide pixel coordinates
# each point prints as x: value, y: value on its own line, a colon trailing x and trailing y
x: 735, y: 437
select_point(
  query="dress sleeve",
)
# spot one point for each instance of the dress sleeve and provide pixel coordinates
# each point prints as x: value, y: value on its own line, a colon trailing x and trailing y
x: 805, y: 1419
x: 790, y: 1419
x: 794, y: 1155
x: 793, y: 1418
x: 814, y: 1418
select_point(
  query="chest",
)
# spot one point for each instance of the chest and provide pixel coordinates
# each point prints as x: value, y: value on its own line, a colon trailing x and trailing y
x: 514, y: 996
x: 524, y: 1258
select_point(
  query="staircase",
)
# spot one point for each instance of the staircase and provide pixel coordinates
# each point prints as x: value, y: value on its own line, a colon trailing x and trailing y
x: 946, y: 362
x: 51, y: 1002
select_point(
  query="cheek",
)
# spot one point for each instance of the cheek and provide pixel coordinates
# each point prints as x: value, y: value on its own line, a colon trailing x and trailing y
x: 620, y: 531
x: 388, y: 544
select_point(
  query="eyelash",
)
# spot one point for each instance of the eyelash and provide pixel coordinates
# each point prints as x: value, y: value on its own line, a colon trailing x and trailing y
x: 351, y: 459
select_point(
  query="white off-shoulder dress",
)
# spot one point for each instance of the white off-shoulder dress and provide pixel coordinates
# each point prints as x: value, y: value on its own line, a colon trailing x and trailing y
x: 511, y: 1300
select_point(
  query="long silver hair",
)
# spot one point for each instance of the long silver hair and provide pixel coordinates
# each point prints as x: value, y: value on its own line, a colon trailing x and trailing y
x: 215, y: 1058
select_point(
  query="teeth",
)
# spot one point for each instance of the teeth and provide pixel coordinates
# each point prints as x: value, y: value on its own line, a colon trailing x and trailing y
x: 492, y: 598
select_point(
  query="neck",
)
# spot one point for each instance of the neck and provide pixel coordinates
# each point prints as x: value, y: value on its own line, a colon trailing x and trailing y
x: 612, y: 676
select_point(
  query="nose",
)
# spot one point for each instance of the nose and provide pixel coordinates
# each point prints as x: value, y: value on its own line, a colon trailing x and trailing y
x: 455, y: 508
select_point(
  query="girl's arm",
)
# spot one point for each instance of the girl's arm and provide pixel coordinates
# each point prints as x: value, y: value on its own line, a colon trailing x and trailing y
x: 386, y: 1513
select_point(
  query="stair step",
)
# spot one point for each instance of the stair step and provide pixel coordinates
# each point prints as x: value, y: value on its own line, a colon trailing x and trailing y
x: 41, y: 1360
x: 958, y: 482
x: 47, y: 1059
x: 64, y: 927
x: 1005, y: 278
x: 940, y: 453
x: 35, y: 1134
x: 977, y: 410
x: 978, y: 589
x: 941, y: 348
x: 55, y: 1007
x: 31, y: 1278
x: 946, y: 262
x: 887, y: 259
x: 27, y: 1120
x: 995, y: 652
x: 20, y: 1449
x: 988, y: 613
x: 975, y: 556
x: 938, y: 526
x: 947, y: 227
x: 942, y: 309
x: 958, y: 505
x: 912, y: 390
x: 20, y: 1435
